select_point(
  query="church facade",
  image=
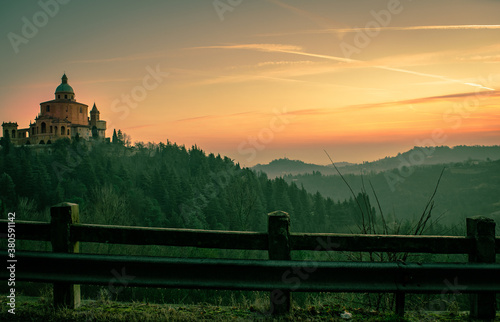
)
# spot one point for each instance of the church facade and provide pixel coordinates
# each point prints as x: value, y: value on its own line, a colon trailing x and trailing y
x: 62, y: 117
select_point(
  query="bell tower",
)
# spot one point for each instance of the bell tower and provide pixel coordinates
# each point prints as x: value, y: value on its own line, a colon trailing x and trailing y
x: 94, y: 116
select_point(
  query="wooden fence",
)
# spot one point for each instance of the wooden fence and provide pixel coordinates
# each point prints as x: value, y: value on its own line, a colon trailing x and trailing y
x: 279, y: 275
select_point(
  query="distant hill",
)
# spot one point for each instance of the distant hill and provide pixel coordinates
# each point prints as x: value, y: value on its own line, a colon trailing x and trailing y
x: 282, y: 167
x: 467, y: 189
x: 414, y: 157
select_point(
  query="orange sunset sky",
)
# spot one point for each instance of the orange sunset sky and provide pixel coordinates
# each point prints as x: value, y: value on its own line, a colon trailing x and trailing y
x: 257, y: 80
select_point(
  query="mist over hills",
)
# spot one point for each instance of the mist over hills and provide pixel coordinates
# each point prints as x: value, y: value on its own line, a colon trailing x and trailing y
x: 414, y: 157
x: 470, y: 184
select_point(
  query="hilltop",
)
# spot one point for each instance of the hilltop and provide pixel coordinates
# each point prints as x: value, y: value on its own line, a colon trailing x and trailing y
x: 414, y: 157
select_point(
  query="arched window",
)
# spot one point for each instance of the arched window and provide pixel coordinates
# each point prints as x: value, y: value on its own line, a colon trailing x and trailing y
x: 32, y: 131
x: 49, y: 142
x: 66, y: 96
x: 48, y: 108
x: 51, y: 129
x: 62, y: 130
x: 58, y: 96
x: 68, y: 131
x: 55, y: 130
x: 42, y: 142
x: 44, y: 127
x: 13, y: 134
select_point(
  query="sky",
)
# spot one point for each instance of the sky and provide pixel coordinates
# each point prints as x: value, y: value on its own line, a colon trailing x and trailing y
x: 257, y: 80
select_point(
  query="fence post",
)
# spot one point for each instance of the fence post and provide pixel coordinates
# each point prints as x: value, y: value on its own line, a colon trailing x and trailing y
x: 62, y: 216
x: 279, y: 249
x: 400, y: 303
x: 482, y: 231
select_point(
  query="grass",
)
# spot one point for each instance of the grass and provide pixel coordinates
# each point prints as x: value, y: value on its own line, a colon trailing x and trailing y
x: 104, y: 310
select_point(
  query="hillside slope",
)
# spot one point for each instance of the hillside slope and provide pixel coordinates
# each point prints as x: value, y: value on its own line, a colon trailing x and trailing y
x: 414, y: 157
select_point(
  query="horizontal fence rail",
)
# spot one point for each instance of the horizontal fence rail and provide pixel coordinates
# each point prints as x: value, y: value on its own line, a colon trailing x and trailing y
x: 219, y: 239
x: 261, y: 275
x: 383, y: 243
x: 169, y: 237
x: 28, y: 230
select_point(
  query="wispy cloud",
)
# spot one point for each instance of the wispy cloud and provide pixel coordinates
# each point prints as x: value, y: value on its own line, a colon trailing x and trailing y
x: 430, y: 99
x: 143, y: 126
x: 317, y: 19
x: 259, y: 47
x: 296, y: 50
x: 213, y: 117
x: 460, y: 97
x: 136, y: 57
x: 403, y: 28
x: 482, y: 58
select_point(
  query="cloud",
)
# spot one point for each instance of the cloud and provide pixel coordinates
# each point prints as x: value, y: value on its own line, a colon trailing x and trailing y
x: 120, y: 58
x: 317, y: 19
x: 482, y: 58
x: 142, y: 126
x: 213, y: 117
x: 407, y: 28
x: 284, y: 63
x: 259, y: 47
x: 296, y: 50
x: 415, y: 101
x: 429, y: 99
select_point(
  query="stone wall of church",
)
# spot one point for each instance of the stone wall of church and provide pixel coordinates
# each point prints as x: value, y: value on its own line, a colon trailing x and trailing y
x: 74, y: 112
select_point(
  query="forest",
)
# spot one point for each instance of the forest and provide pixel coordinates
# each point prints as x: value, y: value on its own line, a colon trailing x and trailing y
x: 156, y: 185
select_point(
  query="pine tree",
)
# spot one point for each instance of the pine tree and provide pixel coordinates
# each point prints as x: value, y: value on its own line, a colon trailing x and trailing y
x: 6, y: 143
x: 7, y: 191
x: 120, y: 137
x: 115, y: 137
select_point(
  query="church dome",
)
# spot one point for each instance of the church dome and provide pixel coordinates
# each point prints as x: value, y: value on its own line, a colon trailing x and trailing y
x: 64, y: 87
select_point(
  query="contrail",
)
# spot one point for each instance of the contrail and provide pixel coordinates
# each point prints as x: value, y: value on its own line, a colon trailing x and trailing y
x: 407, y: 28
x: 295, y: 51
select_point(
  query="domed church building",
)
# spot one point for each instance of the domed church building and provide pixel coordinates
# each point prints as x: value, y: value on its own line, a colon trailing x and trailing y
x: 62, y: 117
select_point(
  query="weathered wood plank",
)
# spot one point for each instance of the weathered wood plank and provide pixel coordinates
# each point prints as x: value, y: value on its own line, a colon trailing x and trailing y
x: 382, y: 243
x: 32, y: 230
x: 279, y: 249
x: 28, y: 230
x: 482, y: 231
x: 170, y: 237
x: 63, y: 216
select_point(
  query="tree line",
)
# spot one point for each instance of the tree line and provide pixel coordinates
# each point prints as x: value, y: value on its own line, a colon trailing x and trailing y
x: 157, y: 185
